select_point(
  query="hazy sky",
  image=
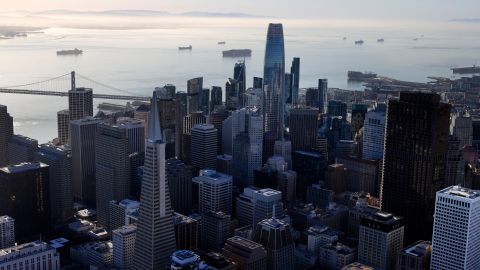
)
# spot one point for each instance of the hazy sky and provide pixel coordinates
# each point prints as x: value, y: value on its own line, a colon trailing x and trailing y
x: 371, y: 9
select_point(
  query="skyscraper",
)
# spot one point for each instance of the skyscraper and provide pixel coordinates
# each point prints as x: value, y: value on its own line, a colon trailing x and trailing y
x: 189, y: 121
x: 179, y: 178
x: 186, y: 232
x: 21, y: 149
x: 80, y: 103
x: 194, y: 94
x: 169, y: 119
x: 123, y: 240
x: 337, y: 108
x: 303, y: 128
x: 214, y: 191
x: 63, y: 124
x: 83, y: 133
x: 456, y: 230
x: 6, y: 132
x: 247, y: 254
x: 204, y: 147
x: 59, y: 161
x: 215, y: 230
x: 24, y: 195
x: 7, y: 232
x: 216, y: 118
x: 416, y: 145
x: 205, y: 101
x: 155, y: 239
x: 322, y: 95
x: 267, y: 203
x: 258, y: 83
x: 232, y: 94
x: 239, y: 73
x: 295, y: 71
x: 216, y: 97
x: 273, y: 81
x: 374, y: 133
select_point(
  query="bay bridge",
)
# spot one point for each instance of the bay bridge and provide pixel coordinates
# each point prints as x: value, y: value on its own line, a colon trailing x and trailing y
x: 60, y: 85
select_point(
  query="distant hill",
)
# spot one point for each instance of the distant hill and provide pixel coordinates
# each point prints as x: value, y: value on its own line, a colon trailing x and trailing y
x: 466, y: 20
x: 135, y: 12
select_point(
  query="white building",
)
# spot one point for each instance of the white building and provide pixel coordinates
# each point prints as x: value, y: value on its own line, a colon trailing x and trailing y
x: 36, y: 255
x: 7, y: 232
x: 214, y: 191
x: 374, y: 133
x: 456, y: 229
x: 123, y: 246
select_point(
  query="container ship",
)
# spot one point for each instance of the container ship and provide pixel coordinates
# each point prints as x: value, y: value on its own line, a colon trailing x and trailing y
x: 238, y: 53
x: 359, y: 42
x: 185, y: 48
x: 467, y: 70
x: 70, y: 52
x: 361, y: 76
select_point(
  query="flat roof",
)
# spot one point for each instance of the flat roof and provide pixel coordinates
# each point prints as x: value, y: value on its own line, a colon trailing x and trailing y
x: 461, y: 192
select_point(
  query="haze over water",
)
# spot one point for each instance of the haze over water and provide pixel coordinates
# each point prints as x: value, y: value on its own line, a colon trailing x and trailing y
x: 137, y: 55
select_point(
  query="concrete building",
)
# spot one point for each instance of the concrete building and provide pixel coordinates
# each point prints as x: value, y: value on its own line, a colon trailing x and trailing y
x: 93, y: 254
x: 24, y: 196
x: 189, y: 121
x: 456, y: 229
x: 187, y: 232
x: 123, y: 240
x: 184, y: 260
x: 380, y: 240
x: 59, y: 161
x: 122, y: 211
x: 214, y: 191
x: 36, y: 255
x: 216, y: 118
x: 6, y: 132
x: 266, y: 203
x: 179, y: 178
x: 204, y: 147
x: 216, y: 98
x: 215, y: 230
x: 21, y: 149
x: 462, y: 128
x: 303, y: 125
x: 82, y: 136
x: 80, y: 103
x: 374, y: 133
x: 361, y: 174
x: 244, y: 207
x: 194, y: 97
x: 319, y: 236
x: 7, y: 232
x: 337, y: 108
x: 247, y: 254
x: 63, y: 124
x: 415, y: 257
x: 336, y: 256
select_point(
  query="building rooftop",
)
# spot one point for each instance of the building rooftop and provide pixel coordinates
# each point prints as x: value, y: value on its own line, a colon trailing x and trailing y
x: 23, y: 167
x: 23, y: 250
x: 181, y: 219
x: 98, y: 247
x: 6, y: 219
x: 203, y: 127
x: 357, y: 266
x: 419, y: 249
x: 21, y: 138
x: 213, y: 175
x: 86, y: 213
x: 129, y: 204
x: 243, y: 242
x: 184, y: 257
x: 459, y: 191
x: 126, y: 230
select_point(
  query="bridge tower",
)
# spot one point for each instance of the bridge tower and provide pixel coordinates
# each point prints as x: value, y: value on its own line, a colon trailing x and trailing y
x: 72, y: 80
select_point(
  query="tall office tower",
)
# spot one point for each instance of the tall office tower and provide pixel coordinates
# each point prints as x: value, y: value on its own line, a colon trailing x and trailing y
x: 194, y: 97
x: 358, y: 117
x: 239, y: 73
x: 216, y: 97
x: 415, y: 257
x: 33, y: 254
x: 462, y: 128
x: 136, y: 163
x: 322, y: 95
x: 335, y: 178
x: 135, y: 133
x: 303, y: 128
x: 288, y: 88
x: 7, y: 232
x: 283, y: 148
x: 287, y: 185
x: 266, y: 203
x: 179, y: 178
x: 155, y: 240
x: 214, y: 191
x: 80, y: 103
x: 63, y: 124
x: 254, y: 98
x: 184, y: 260
x: 167, y: 109
x: 380, y: 240
x: 247, y: 145
x: 82, y: 137
x: 274, y: 234
x: 216, y: 118
x: 258, y: 82
x: 123, y: 240
x: 225, y: 164
x: 186, y: 232
x: 311, y: 97
x: 273, y: 82
x: 6, y: 132
x: 24, y: 195
x: 215, y: 230
x: 21, y: 149
x: 189, y: 121
x: 361, y: 175
x: 247, y: 254
x: 337, y: 108
x: 168, y: 91
x: 295, y: 71
x: 244, y: 206
x: 205, y: 101
x: 59, y: 161
x: 141, y: 113
x: 204, y: 147
x: 455, y: 165
x: 112, y: 169
x: 231, y: 94
x: 456, y: 229
x: 416, y: 145
x: 374, y: 133
x: 243, y: 120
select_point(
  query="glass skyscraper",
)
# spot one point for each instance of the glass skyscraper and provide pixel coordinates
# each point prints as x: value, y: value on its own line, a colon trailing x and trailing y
x: 273, y: 81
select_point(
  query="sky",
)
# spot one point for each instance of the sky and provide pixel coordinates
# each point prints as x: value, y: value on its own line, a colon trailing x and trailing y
x: 439, y: 10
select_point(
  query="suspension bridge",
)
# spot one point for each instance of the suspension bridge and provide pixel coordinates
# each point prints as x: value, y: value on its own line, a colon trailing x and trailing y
x: 60, y: 85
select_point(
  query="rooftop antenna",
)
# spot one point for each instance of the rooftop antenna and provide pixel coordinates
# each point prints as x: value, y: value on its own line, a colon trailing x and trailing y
x: 273, y: 212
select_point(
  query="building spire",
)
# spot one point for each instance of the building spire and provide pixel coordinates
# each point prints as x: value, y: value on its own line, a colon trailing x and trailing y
x: 154, y: 130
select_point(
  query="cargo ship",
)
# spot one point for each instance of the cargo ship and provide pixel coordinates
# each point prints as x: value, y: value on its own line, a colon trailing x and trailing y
x: 70, y: 52
x: 361, y: 76
x: 380, y: 40
x: 221, y: 43
x: 467, y: 70
x: 359, y: 42
x: 185, y: 48
x: 237, y: 53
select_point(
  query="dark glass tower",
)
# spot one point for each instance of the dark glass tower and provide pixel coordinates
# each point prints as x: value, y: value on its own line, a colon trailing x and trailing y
x: 194, y: 94
x: 155, y: 240
x: 322, y: 95
x: 6, y: 132
x: 239, y: 75
x: 416, y: 145
x: 295, y: 71
x: 274, y: 81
